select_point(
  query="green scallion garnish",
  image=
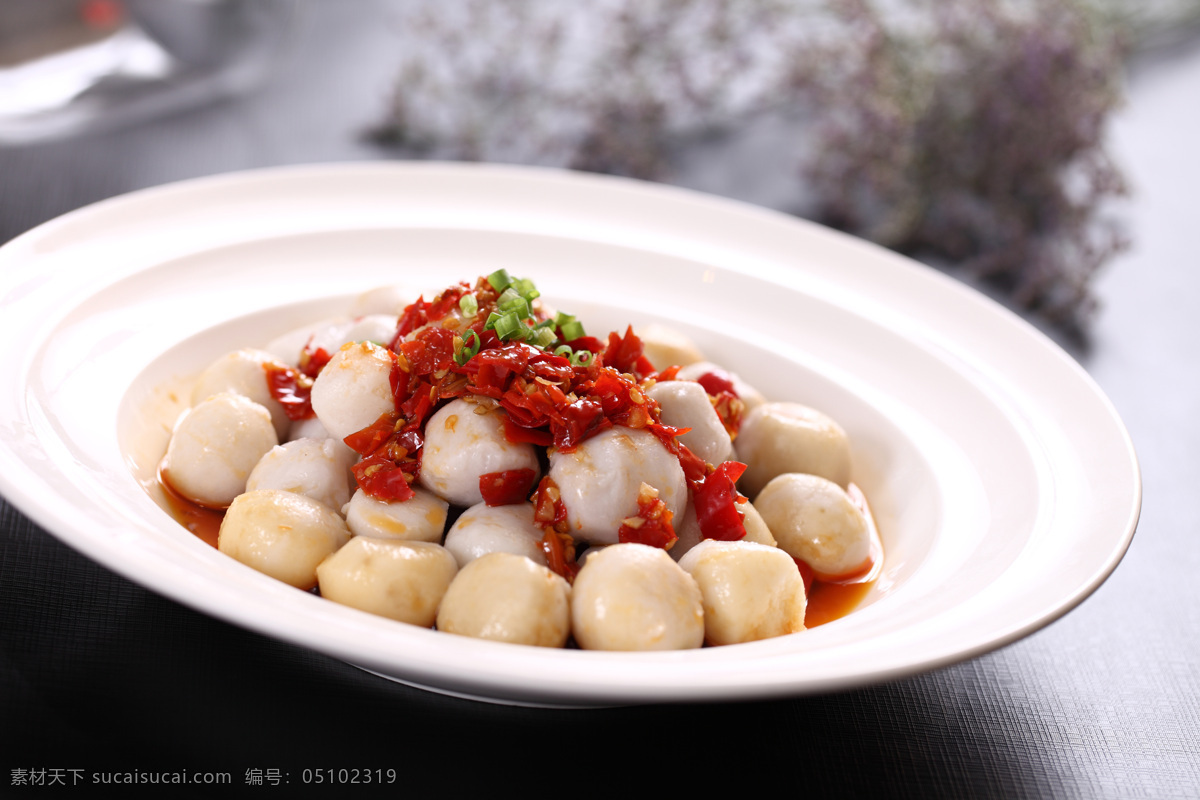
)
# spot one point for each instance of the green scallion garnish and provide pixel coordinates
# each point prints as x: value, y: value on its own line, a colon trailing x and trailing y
x: 468, y: 305
x: 527, y: 289
x: 470, y: 348
x: 500, y: 280
x: 572, y: 330
x: 510, y: 326
x: 511, y: 301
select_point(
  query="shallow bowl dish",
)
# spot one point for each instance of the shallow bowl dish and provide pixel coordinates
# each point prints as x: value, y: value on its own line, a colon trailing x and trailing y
x: 1004, y: 484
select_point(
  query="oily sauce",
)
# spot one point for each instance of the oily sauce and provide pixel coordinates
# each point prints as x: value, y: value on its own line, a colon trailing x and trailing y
x: 200, y: 520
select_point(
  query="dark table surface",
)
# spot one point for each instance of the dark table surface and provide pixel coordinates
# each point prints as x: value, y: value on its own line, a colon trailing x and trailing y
x: 98, y: 674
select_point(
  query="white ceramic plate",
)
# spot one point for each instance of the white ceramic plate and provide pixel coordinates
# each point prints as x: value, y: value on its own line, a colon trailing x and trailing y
x: 1005, y: 486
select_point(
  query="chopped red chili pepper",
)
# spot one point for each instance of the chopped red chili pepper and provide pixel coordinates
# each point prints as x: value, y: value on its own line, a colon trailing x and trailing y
x: 506, y: 488
x: 313, y: 360
x: 292, y: 388
x: 560, y: 554
x: 548, y: 509
x: 716, y: 500
x: 716, y: 382
x: 429, y: 351
x: 627, y: 354
x: 384, y: 479
x: 551, y: 515
x: 547, y: 399
x: 669, y: 373
x: 694, y: 468
x: 516, y: 434
x: 372, y: 437
x: 391, y: 458
x: 652, y: 524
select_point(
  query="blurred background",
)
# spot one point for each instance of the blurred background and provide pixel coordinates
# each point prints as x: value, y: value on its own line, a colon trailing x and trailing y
x: 1044, y: 152
x: 970, y: 134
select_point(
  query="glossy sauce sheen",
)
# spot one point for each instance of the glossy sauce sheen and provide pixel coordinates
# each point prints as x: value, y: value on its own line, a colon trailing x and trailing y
x: 826, y: 601
x: 202, y: 521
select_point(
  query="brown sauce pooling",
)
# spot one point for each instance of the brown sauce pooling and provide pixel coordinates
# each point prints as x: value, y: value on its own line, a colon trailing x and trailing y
x: 202, y: 521
x: 830, y: 601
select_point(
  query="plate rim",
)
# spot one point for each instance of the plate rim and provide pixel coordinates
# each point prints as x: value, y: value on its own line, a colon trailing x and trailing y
x: 29, y: 242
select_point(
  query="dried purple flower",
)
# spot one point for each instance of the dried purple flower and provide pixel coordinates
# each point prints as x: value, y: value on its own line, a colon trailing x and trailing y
x: 978, y: 141
x: 967, y: 131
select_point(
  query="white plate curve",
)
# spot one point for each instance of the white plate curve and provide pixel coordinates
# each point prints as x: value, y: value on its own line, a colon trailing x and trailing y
x: 1005, y: 485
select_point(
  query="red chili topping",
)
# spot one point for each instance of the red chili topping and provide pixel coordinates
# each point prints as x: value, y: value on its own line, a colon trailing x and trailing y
x: 694, y: 468
x: 506, y: 488
x: 293, y: 387
x: 725, y: 400
x: 548, y: 509
x: 312, y: 361
x: 430, y: 351
x: 384, y: 479
x: 560, y: 554
x: 423, y: 312
x: 716, y: 382
x: 626, y: 354
x: 716, y: 500
x: 652, y: 524
x: 372, y: 437
x: 547, y: 400
x: 550, y: 513
x: 391, y: 458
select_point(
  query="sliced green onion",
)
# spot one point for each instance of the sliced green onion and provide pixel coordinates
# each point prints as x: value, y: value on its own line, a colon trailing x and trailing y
x: 509, y: 326
x: 572, y: 330
x: 468, y: 305
x: 469, y: 349
x: 543, y: 337
x: 527, y: 289
x: 582, y: 358
x: 491, y: 321
x: 500, y: 280
x: 511, y: 301
x: 564, y: 350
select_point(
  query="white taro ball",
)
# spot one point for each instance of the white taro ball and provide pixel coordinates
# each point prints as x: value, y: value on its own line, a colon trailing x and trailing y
x: 243, y: 372
x: 815, y: 520
x: 600, y: 479
x: 483, y: 529
x: 396, y: 579
x: 421, y: 517
x: 461, y: 444
x: 312, y: 467
x: 778, y: 438
x: 281, y: 534
x: 634, y: 597
x: 750, y: 591
x: 685, y: 404
x: 215, y: 446
x: 354, y: 389
x: 507, y: 598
